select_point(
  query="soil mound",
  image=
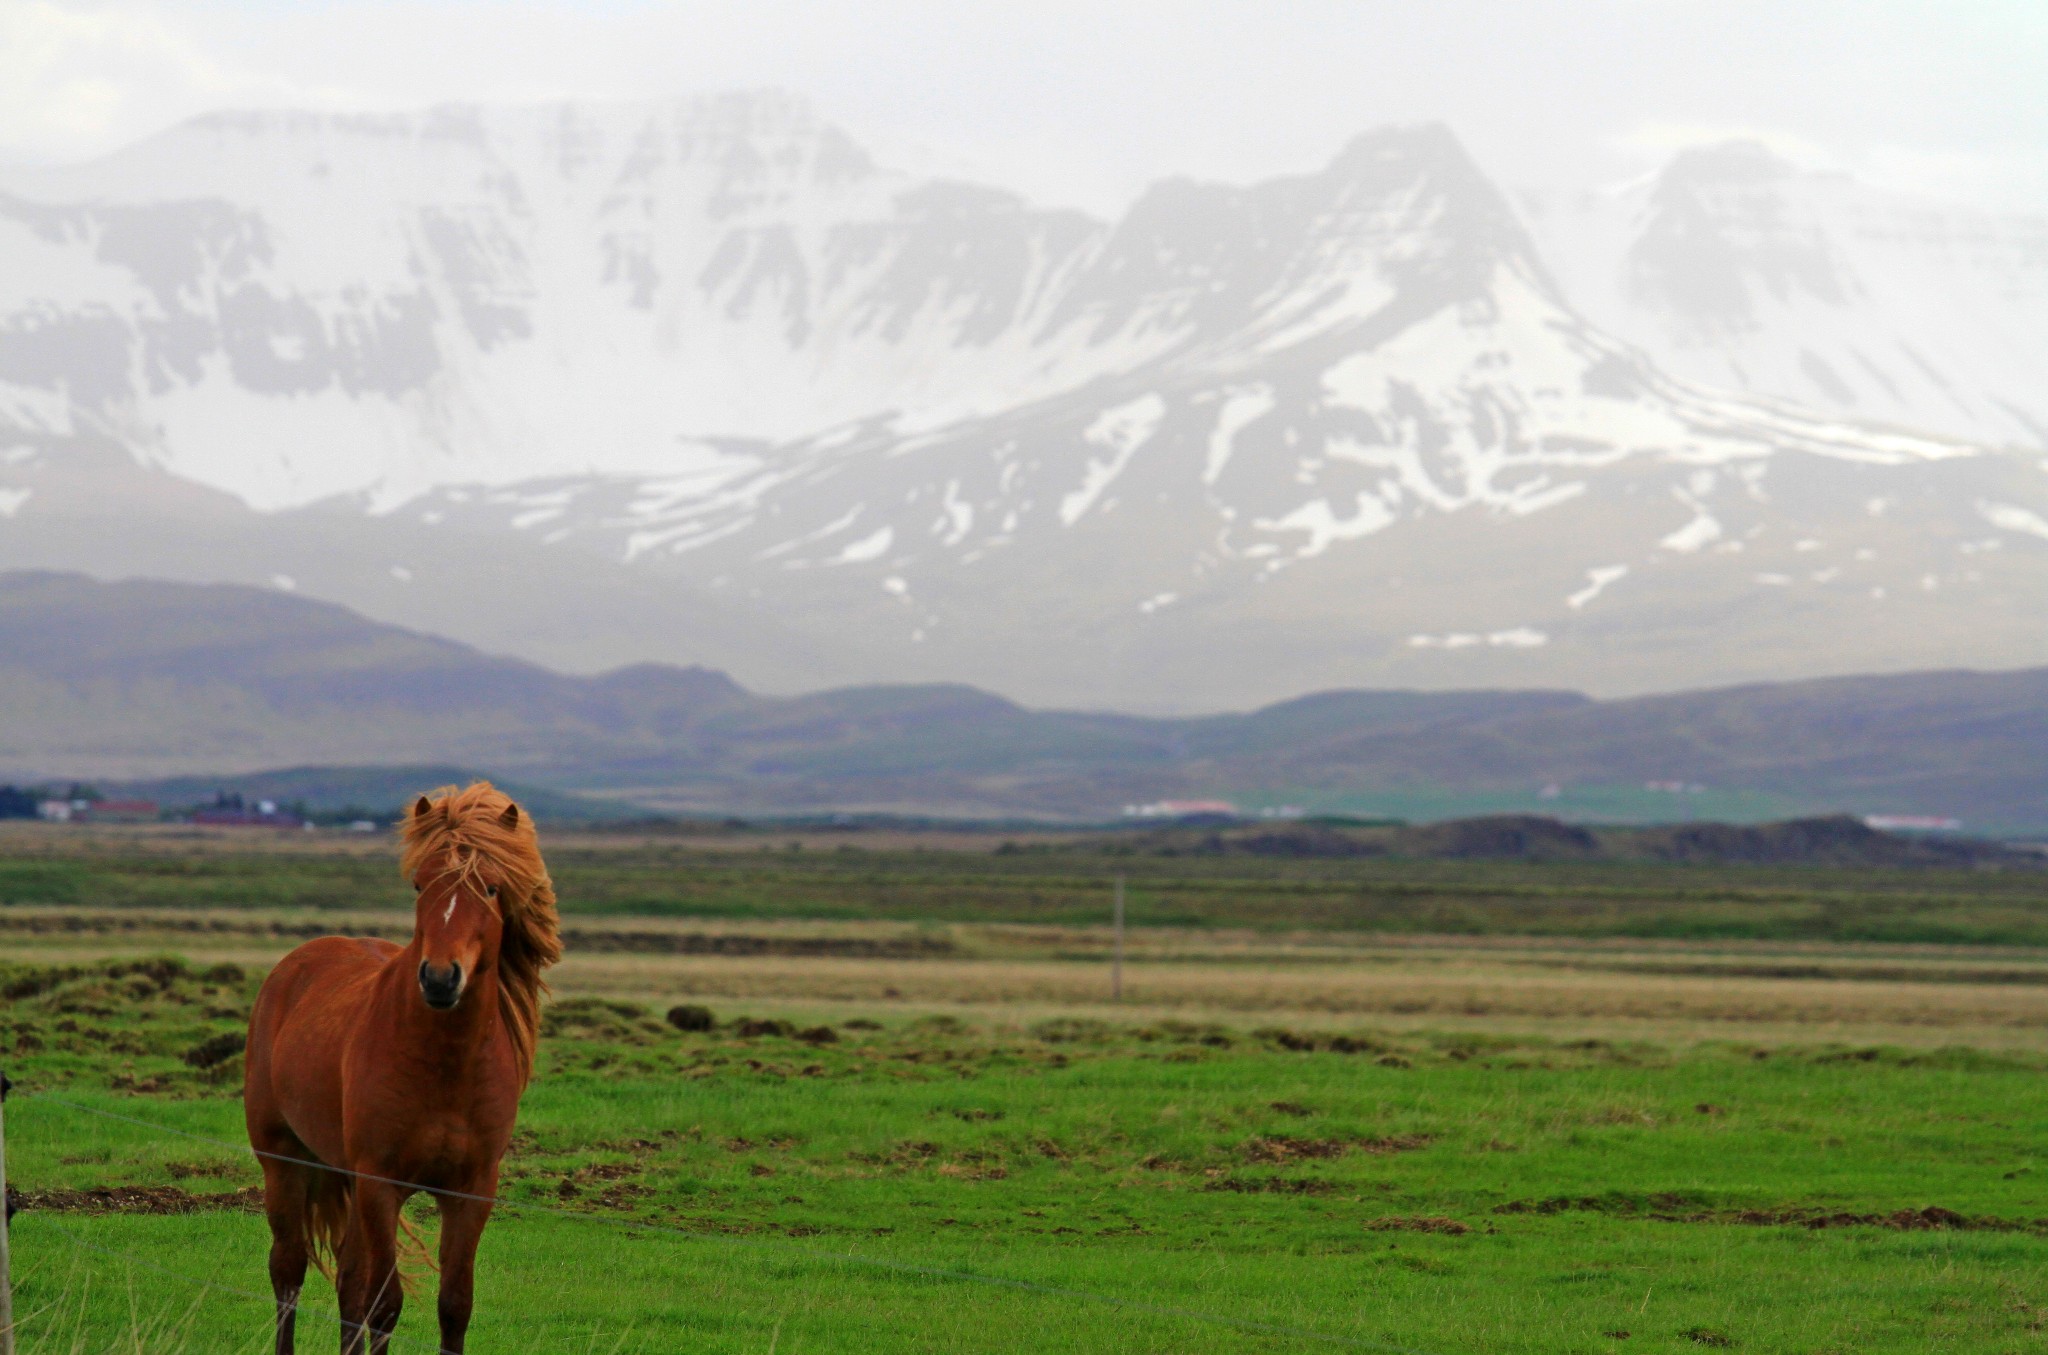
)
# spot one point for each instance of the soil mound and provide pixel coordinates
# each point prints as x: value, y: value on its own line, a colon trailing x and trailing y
x: 1516, y: 837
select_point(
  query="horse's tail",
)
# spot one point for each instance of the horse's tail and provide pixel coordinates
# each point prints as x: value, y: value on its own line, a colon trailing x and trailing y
x: 414, y: 1258
x: 330, y: 1197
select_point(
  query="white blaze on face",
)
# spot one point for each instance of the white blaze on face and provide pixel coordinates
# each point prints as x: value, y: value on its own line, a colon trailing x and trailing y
x: 450, y: 910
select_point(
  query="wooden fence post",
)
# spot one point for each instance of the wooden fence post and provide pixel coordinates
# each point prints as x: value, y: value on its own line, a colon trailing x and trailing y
x: 6, y: 1278
x: 1116, y: 969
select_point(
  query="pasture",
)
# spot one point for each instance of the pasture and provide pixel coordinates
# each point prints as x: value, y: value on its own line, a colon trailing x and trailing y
x: 1427, y: 1106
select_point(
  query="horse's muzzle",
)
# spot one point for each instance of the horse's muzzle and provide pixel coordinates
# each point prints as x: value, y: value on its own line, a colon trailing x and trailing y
x: 442, y: 988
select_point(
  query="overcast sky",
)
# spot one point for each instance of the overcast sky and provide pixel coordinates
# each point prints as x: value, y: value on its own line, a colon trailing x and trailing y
x: 1082, y: 102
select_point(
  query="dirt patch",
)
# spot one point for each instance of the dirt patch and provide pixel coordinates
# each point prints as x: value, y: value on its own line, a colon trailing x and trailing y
x: 735, y: 943
x: 215, y: 1050
x: 1678, y: 1209
x: 1419, y: 1223
x: 590, y: 940
x: 913, y: 1154
x: 1283, y: 1148
x: 1271, y: 1185
x: 597, y: 1018
x: 1931, y: 1218
x: 621, y: 1197
x: 137, y: 1200
x: 216, y: 1170
x: 607, y: 1171
x: 1708, y: 1336
x: 1310, y: 1042
x: 973, y: 1171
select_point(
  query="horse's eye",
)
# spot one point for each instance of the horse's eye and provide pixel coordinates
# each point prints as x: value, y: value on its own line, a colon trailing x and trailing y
x: 491, y: 891
x: 417, y: 887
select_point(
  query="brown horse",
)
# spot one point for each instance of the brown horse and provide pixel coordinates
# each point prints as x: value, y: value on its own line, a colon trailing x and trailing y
x: 401, y: 1068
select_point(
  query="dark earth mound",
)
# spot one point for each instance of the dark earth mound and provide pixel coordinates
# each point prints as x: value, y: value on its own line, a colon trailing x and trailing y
x: 1839, y: 840
x: 1514, y: 837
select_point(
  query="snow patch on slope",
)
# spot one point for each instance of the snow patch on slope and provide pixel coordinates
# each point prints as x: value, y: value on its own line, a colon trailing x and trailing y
x: 1518, y: 637
x: 1122, y: 431
x: 1703, y: 531
x: 1596, y: 582
x: 869, y: 547
x: 2012, y: 518
x: 1324, y: 527
x: 1240, y: 409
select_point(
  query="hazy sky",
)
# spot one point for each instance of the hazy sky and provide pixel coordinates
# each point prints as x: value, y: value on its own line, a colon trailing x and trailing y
x: 1084, y: 101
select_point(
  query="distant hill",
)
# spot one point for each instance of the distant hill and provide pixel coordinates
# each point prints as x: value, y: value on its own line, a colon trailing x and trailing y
x: 134, y: 680
x: 373, y: 791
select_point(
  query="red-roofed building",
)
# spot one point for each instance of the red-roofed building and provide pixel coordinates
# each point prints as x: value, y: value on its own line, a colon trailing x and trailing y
x: 119, y: 811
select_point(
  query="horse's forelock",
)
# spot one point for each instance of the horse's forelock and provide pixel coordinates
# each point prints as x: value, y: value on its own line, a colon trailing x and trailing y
x: 471, y: 826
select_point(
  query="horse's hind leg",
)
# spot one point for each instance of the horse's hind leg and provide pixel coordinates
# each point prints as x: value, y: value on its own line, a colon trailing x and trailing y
x: 285, y: 1202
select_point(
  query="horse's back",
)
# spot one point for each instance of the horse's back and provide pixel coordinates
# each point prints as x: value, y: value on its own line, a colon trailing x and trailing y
x: 297, y: 1031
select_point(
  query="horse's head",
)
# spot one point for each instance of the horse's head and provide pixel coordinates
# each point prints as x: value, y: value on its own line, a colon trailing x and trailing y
x: 458, y: 923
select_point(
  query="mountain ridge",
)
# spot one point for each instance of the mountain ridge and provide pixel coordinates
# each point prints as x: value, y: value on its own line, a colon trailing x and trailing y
x: 234, y: 680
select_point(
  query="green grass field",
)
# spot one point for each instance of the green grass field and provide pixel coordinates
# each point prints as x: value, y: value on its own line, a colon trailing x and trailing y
x: 979, y: 1174
x: 1437, y: 1194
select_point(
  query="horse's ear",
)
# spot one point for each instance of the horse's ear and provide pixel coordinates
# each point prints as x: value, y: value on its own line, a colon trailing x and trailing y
x: 422, y: 807
x: 510, y: 818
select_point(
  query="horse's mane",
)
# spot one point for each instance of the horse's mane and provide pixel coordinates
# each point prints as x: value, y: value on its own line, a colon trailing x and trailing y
x: 478, y: 827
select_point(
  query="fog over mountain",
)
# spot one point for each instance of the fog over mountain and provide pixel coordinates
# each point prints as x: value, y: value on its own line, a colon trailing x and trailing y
x: 1735, y: 268
x: 702, y: 382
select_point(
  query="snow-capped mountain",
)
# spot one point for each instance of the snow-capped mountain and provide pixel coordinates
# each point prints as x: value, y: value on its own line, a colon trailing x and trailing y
x: 1738, y: 270
x: 701, y: 382
x: 286, y: 306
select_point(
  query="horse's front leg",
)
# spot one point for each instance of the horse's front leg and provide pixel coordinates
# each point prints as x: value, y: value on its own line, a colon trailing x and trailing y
x: 462, y: 1226
x: 370, y: 1290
